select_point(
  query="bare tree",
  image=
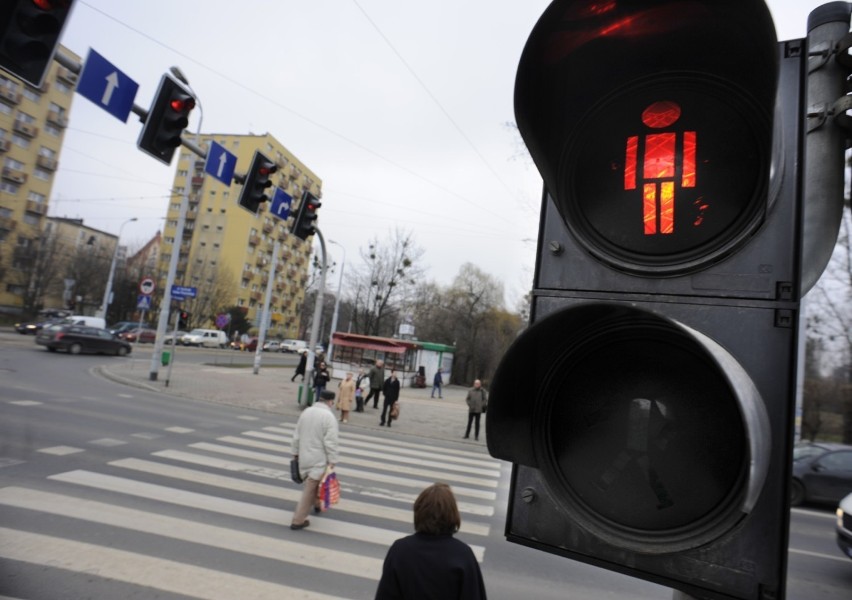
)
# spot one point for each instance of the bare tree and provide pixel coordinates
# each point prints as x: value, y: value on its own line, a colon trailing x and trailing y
x: 385, y: 282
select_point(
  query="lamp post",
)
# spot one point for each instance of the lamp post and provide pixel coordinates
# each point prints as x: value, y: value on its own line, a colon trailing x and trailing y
x: 336, y: 302
x: 108, y: 292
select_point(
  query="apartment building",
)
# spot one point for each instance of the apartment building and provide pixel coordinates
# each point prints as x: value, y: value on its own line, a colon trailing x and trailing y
x: 227, y: 251
x: 32, y: 127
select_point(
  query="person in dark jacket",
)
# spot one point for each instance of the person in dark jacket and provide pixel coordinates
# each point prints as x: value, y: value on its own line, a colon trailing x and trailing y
x: 391, y: 392
x: 321, y: 379
x: 377, y: 377
x: 477, y: 401
x: 432, y: 563
x: 300, y: 368
x: 437, y: 382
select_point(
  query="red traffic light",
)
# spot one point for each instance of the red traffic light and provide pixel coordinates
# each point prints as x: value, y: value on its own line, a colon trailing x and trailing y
x: 51, y: 4
x: 182, y: 104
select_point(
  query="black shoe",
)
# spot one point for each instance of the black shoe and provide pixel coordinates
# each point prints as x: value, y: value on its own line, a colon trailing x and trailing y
x: 294, y: 526
x: 466, y: 437
x: 317, y: 510
x: 381, y: 424
x: 476, y: 438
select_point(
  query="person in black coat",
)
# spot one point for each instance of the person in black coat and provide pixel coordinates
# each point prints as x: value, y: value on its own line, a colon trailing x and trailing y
x: 432, y: 563
x: 391, y: 393
x: 321, y: 379
x: 300, y: 368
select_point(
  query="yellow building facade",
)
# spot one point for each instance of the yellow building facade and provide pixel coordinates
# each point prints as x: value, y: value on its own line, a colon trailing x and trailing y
x: 227, y: 251
x: 32, y: 127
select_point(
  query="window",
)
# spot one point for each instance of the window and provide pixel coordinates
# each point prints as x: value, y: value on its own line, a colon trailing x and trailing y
x: 13, y: 164
x: 52, y: 130
x: 5, y: 109
x: 36, y: 197
x: 8, y: 83
x: 32, y: 95
x: 31, y: 219
x: 62, y: 87
x: 18, y: 290
x: 40, y: 173
x: 23, y: 117
x: 5, y: 213
x: 20, y: 141
x: 47, y: 152
x: 9, y: 187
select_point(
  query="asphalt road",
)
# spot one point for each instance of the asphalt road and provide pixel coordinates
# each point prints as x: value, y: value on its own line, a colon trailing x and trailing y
x: 114, y: 492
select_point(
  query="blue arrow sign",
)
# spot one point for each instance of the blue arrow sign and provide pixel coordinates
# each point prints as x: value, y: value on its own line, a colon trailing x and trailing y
x: 220, y: 163
x: 106, y: 86
x: 143, y: 302
x: 281, y: 202
x: 180, y: 292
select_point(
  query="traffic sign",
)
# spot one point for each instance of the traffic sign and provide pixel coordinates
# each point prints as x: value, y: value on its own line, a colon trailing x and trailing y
x: 102, y: 83
x: 180, y: 292
x: 220, y: 163
x: 143, y: 302
x: 281, y: 203
x: 222, y: 319
x: 147, y: 286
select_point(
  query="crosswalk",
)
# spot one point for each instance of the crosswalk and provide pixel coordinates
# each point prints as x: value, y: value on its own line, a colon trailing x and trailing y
x: 210, y: 518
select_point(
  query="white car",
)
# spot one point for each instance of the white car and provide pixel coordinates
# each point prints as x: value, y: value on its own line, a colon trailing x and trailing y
x: 208, y: 338
x: 272, y: 346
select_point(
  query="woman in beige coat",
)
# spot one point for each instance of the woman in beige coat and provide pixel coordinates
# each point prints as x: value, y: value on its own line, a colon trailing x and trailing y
x: 345, y: 397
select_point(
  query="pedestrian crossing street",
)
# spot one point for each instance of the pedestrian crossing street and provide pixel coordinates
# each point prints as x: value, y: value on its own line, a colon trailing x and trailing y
x: 210, y: 519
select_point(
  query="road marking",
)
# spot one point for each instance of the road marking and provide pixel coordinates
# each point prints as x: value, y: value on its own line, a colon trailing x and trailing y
x: 818, y: 555
x: 179, y: 429
x: 258, y: 471
x: 107, y: 442
x: 234, y: 508
x: 139, y: 569
x: 427, y: 475
x: 25, y: 402
x: 60, y: 450
x: 291, y: 494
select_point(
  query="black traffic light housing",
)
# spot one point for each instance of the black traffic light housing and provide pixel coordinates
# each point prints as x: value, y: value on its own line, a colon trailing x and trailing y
x: 29, y: 34
x: 305, y: 223
x: 255, y: 182
x: 648, y: 408
x: 183, y: 320
x: 167, y: 118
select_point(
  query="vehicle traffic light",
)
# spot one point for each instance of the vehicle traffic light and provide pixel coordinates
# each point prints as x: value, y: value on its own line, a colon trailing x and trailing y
x: 648, y: 408
x: 183, y: 320
x: 167, y: 119
x: 29, y: 34
x: 255, y: 182
x: 305, y: 223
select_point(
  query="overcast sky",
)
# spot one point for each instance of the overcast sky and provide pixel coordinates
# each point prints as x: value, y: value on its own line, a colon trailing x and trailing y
x: 400, y: 108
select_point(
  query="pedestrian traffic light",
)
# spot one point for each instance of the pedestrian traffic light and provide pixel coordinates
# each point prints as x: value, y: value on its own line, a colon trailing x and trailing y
x: 255, y: 182
x: 648, y: 408
x: 305, y: 223
x: 167, y: 118
x: 29, y: 34
x: 183, y: 320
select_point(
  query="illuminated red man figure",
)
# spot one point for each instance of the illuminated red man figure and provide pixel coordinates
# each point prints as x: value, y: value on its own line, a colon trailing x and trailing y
x: 659, y: 166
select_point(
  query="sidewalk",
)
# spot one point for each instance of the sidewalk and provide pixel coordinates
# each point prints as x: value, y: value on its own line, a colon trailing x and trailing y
x: 272, y: 391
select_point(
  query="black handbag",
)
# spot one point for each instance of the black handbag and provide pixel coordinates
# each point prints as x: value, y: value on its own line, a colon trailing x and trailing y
x: 295, y: 475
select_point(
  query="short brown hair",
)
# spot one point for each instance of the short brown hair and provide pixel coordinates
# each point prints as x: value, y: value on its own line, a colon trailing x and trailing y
x: 436, y: 511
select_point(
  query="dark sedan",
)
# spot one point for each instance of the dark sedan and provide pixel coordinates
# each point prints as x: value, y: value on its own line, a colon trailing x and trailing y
x: 822, y: 472
x: 76, y: 339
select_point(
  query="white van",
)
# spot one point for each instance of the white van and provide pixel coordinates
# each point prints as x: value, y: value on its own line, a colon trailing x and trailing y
x: 87, y: 321
x: 209, y: 338
x: 293, y: 346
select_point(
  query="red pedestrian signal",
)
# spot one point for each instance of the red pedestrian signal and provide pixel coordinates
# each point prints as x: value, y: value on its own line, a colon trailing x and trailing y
x: 657, y: 377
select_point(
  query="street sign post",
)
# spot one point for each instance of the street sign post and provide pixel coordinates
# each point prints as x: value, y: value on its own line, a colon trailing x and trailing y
x: 281, y: 203
x: 220, y: 163
x: 147, y: 286
x: 102, y: 83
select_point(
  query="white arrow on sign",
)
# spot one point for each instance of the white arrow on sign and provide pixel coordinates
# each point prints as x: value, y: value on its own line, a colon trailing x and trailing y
x: 223, y: 160
x: 112, y: 83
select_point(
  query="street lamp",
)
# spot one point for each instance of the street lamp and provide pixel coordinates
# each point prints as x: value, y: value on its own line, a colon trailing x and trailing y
x: 336, y: 301
x: 108, y: 292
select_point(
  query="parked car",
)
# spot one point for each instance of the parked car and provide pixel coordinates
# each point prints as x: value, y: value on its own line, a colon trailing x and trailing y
x: 822, y: 472
x: 272, y: 346
x: 75, y: 339
x: 844, y: 525
x: 210, y: 338
x: 249, y: 346
x: 33, y: 327
x: 143, y: 336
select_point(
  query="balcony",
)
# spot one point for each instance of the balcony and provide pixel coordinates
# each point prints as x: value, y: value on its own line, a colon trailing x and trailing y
x: 57, y: 118
x: 197, y: 181
x: 10, y: 96
x: 256, y: 296
x: 8, y: 223
x: 14, y: 175
x: 66, y: 75
x: 45, y: 162
x: 5, y: 145
x: 38, y: 208
x: 25, y: 129
x: 254, y: 240
x: 261, y: 261
x: 191, y: 215
x: 268, y: 227
x: 247, y: 274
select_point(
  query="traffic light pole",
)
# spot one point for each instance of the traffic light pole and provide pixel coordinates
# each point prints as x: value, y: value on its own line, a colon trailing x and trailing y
x: 264, y: 318
x: 312, y: 344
